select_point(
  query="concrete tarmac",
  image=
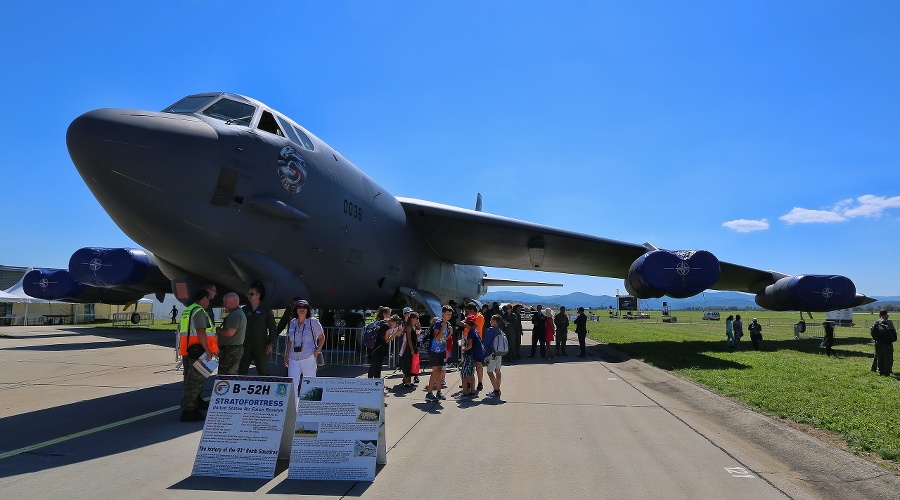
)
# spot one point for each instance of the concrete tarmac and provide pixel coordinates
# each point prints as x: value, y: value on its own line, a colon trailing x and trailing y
x: 93, y: 413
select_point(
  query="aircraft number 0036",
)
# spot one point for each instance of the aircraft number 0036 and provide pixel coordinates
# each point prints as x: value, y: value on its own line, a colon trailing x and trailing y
x: 352, y: 209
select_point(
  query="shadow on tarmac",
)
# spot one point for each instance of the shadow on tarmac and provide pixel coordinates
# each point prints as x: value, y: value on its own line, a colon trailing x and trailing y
x: 162, y: 338
x: 29, y: 429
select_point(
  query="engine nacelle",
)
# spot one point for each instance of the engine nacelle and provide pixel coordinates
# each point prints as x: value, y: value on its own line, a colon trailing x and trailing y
x: 51, y: 284
x: 58, y: 284
x: 810, y: 293
x: 122, y: 268
x: 676, y: 273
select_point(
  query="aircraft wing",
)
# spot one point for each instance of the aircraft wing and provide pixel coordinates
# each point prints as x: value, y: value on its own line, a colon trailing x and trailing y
x: 471, y: 237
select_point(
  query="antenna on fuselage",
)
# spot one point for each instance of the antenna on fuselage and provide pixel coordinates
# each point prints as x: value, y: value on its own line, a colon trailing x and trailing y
x: 478, y: 203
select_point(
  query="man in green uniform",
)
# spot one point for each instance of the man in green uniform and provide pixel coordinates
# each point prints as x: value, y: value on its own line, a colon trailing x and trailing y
x: 884, y: 334
x: 193, y: 329
x: 288, y: 315
x: 261, y: 333
x: 231, y: 336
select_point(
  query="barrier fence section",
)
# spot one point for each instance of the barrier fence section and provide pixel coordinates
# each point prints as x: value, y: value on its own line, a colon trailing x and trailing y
x: 132, y: 319
x: 343, y: 346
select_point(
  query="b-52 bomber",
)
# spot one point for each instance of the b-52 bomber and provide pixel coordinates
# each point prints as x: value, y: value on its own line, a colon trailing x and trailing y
x: 220, y: 188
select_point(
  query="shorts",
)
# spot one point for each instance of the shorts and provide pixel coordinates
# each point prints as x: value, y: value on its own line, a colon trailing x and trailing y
x: 493, y: 363
x: 437, y: 358
x: 467, y: 367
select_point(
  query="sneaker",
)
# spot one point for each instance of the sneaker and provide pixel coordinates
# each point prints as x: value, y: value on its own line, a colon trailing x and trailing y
x: 492, y: 394
x: 416, y: 380
x: 192, y: 416
x: 480, y: 387
x: 430, y: 397
x: 441, y: 396
x: 467, y: 395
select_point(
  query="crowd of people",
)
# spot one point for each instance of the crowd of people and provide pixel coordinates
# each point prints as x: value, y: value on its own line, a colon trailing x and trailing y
x: 246, y: 336
x: 464, y: 337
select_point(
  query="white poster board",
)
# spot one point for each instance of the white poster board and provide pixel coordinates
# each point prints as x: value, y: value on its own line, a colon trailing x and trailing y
x: 245, y: 432
x: 339, y: 430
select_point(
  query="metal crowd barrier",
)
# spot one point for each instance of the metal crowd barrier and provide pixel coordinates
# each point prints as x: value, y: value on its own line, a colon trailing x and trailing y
x: 343, y: 346
x: 132, y: 319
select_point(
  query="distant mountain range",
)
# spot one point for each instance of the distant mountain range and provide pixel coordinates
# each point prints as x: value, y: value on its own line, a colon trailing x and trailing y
x: 706, y: 300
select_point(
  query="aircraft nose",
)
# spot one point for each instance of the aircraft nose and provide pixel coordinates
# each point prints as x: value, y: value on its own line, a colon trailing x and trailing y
x: 109, y: 144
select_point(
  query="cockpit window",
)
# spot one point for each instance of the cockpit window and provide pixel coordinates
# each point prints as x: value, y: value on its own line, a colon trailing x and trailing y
x: 304, y: 139
x: 295, y: 134
x: 288, y: 130
x: 189, y: 104
x: 267, y: 123
x: 233, y: 112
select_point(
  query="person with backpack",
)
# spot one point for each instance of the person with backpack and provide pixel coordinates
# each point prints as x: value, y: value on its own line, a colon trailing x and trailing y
x: 436, y: 340
x: 470, y: 349
x: 884, y: 334
x: 755, y: 330
x: 496, y: 345
x: 374, y: 339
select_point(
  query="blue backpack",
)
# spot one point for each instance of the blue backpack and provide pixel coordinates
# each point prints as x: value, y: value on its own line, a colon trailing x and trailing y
x: 370, y: 334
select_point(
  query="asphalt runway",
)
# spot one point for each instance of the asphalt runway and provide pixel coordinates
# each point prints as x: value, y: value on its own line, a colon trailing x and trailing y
x: 93, y: 413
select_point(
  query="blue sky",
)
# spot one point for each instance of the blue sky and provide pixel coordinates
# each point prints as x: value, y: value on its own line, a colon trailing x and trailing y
x: 765, y: 133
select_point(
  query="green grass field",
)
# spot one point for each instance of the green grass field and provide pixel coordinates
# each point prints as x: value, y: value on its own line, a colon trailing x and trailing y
x: 787, y: 378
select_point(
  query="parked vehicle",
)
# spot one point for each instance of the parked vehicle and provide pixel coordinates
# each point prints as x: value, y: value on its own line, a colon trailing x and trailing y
x: 711, y: 316
x: 841, y: 317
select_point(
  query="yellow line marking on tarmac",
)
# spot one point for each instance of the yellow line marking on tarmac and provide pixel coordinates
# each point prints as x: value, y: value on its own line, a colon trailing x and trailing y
x: 33, y: 447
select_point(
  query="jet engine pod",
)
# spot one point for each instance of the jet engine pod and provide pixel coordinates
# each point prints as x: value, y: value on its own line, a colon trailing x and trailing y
x: 58, y: 284
x: 51, y: 284
x: 811, y: 293
x: 676, y: 273
x: 116, y: 267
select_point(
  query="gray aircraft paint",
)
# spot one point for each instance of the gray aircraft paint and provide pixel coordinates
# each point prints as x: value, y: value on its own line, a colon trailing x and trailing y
x: 211, y: 202
x: 229, y: 201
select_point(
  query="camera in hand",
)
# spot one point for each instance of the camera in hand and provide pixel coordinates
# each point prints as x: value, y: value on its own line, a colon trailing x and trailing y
x: 299, y: 348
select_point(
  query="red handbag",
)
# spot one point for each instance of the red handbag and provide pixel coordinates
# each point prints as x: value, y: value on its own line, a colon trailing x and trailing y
x: 415, y: 364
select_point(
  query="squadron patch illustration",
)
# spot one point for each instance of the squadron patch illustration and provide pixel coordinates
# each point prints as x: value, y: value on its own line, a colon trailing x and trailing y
x: 291, y: 169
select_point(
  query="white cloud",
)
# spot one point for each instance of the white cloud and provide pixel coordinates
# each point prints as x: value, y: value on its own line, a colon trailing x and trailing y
x: 746, y: 226
x: 867, y: 205
x: 806, y: 216
x: 872, y: 206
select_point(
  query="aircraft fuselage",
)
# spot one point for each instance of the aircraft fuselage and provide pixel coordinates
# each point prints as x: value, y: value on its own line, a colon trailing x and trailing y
x: 232, y: 200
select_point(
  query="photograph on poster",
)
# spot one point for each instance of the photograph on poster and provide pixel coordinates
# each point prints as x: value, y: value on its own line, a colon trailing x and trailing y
x: 368, y: 414
x: 365, y: 448
x: 312, y: 394
x: 307, y: 429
